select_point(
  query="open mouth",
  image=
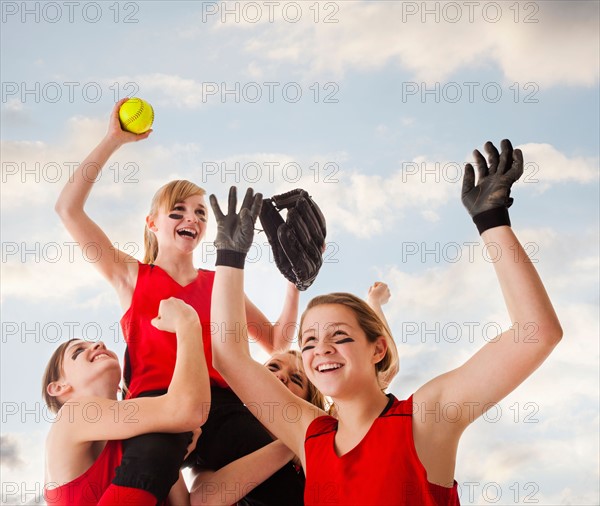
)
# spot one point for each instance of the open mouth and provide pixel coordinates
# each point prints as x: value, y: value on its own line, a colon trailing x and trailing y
x: 100, y: 356
x: 329, y: 367
x: 187, y: 232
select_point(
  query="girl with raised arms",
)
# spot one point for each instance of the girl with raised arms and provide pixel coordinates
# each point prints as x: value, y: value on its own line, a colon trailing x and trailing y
x: 174, y: 228
x: 379, y: 451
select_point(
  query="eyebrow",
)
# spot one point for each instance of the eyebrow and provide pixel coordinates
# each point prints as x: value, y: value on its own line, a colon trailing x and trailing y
x: 199, y: 205
x: 331, y: 324
x: 297, y: 371
x: 77, y: 343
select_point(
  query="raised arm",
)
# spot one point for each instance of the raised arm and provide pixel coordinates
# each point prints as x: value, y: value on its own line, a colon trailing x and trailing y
x: 378, y: 295
x: 279, y: 335
x: 234, y: 481
x: 503, y: 364
x: 271, y: 401
x: 119, y: 268
x: 184, y: 407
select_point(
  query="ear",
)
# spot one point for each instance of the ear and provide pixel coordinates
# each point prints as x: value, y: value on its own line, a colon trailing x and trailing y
x: 380, y: 349
x: 150, y: 223
x: 58, y: 388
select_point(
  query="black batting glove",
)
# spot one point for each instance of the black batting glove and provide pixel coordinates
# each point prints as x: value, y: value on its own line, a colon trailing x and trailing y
x: 235, y: 231
x: 489, y: 200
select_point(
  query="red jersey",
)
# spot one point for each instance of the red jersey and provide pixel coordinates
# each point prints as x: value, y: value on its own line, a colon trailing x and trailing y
x: 383, y: 469
x: 152, y: 352
x: 87, y: 489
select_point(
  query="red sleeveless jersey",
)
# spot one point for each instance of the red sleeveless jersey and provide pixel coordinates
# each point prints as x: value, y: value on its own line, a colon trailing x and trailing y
x: 383, y: 469
x: 152, y: 352
x: 87, y: 489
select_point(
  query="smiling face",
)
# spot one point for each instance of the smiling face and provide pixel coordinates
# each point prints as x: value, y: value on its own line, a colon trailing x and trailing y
x: 338, y: 358
x: 163, y: 205
x: 182, y: 226
x: 289, y: 370
x: 85, y: 368
x: 85, y: 362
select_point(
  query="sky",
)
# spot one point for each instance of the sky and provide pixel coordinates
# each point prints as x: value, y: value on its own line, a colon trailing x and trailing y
x: 373, y: 107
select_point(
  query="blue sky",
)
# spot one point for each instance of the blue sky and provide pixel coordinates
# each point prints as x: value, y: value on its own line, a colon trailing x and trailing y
x: 394, y: 97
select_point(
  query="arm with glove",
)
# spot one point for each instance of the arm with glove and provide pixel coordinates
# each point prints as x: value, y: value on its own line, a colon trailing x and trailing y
x: 253, y: 383
x: 504, y: 363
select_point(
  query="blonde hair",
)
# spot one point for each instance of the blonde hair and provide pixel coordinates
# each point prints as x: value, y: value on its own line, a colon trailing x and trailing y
x: 165, y: 198
x: 372, y: 326
x: 53, y: 373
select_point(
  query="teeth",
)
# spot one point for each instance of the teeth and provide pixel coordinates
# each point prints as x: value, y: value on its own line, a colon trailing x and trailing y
x: 328, y: 367
x: 99, y: 356
x: 188, y: 232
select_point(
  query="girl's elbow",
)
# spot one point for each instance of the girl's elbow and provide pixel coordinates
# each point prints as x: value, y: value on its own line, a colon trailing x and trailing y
x: 60, y: 208
x: 64, y: 210
x: 202, y: 411
x: 552, y: 333
x: 557, y: 333
x: 191, y: 414
x: 197, y: 415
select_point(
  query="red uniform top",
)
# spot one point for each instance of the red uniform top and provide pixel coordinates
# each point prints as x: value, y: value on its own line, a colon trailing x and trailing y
x: 152, y: 352
x: 87, y: 489
x: 383, y: 469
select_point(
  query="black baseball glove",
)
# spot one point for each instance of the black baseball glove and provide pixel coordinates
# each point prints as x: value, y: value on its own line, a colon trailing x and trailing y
x: 298, y: 242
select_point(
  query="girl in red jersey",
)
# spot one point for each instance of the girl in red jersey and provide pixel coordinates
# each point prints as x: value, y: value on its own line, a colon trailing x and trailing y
x: 379, y: 450
x: 80, y: 385
x: 231, y: 483
x: 174, y: 228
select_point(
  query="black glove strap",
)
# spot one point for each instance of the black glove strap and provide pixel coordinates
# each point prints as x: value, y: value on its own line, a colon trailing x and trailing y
x: 230, y: 258
x: 491, y: 218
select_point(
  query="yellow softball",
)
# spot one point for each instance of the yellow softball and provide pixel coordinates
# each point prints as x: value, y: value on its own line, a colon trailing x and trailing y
x: 136, y: 115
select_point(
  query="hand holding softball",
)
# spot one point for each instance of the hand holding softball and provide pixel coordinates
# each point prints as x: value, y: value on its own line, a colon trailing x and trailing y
x: 116, y: 132
x: 136, y: 115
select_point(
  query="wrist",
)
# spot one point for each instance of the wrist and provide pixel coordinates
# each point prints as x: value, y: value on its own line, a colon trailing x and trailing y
x: 373, y: 303
x: 111, y: 142
x: 230, y: 258
x: 491, y: 218
x: 188, y: 326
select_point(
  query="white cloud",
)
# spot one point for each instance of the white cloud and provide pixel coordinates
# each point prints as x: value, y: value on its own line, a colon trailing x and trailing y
x: 545, y: 165
x: 344, y: 195
x: 546, y: 43
x: 382, y: 201
x: 172, y: 90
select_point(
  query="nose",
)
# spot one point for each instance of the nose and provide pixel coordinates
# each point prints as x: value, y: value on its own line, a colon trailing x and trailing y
x: 323, y: 348
x: 281, y: 376
x: 99, y: 345
x: 191, y: 217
